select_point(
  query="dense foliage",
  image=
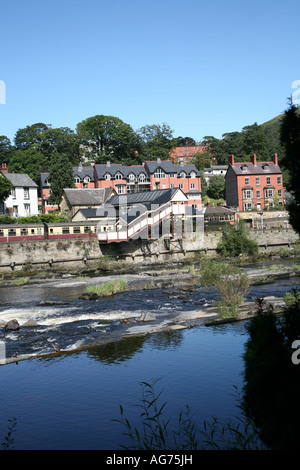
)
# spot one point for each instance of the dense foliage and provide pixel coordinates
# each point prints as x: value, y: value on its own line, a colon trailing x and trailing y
x: 272, y: 377
x: 236, y: 241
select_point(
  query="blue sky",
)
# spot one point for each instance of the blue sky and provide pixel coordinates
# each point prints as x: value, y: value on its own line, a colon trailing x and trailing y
x: 204, y: 68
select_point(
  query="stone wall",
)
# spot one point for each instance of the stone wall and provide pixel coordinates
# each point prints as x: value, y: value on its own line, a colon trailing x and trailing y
x: 81, y: 252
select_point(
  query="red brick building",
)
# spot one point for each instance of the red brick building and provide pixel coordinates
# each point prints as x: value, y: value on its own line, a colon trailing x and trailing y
x: 253, y: 185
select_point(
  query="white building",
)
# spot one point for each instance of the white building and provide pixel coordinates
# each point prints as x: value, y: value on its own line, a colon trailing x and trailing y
x: 214, y: 170
x: 23, y: 200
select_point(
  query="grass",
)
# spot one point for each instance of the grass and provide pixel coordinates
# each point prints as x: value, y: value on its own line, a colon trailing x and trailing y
x: 108, y: 288
x: 20, y: 281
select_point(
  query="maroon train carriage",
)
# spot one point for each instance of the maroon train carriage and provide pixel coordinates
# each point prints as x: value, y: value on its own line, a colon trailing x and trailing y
x: 70, y: 230
x: 20, y: 232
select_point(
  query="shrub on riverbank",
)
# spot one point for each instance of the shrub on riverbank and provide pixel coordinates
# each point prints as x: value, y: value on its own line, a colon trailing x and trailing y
x: 230, y: 281
x: 107, y: 288
x: 235, y: 241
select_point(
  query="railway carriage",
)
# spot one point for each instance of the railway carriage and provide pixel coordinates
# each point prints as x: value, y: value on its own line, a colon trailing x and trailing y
x: 70, y: 230
x: 20, y: 232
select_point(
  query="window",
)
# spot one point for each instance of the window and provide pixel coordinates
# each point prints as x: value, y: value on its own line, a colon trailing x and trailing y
x: 258, y: 193
x: 15, y: 211
x: 76, y: 229
x: 280, y: 192
x: 13, y: 193
x: 77, y: 180
x: 87, y: 230
x: 244, y: 168
x: 24, y: 231
x: 87, y: 179
x: 266, y: 167
x: 172, y: 185
x: 182, y: 174
x: 131, y: 177
x: 180, y: 185
x: 107, y: 176
x: 159, y: 174
x: 142, y: 178
x: 26, y: 193
x: 12, y: 232
x: 121, y: 189
x: 247, y: 194
x: 118, y: 176
x: 268, y: 193
x: 65, y: 230
x: 193, y: 174
x: 192, y: 186
x: 278, y: 179
x: 1, y: 232
x: 257, y: 181
x: 27, y: 209
x: 268, y: 180
x: 247, y: 181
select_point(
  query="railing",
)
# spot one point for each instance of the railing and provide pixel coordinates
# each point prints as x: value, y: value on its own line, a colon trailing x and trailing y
x: 141, y: 223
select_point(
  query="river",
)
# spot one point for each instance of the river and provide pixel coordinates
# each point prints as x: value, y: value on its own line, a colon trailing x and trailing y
x: 68, y: 400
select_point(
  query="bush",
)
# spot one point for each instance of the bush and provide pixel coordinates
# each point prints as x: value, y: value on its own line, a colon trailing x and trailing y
x: 235, y: 241
x: 107, y: 288
x: 229, y: 281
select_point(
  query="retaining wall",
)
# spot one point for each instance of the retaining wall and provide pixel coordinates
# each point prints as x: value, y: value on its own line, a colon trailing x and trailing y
x: 82, y: 252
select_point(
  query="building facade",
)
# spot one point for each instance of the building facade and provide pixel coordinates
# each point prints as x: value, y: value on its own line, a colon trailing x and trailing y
x: 253, y: 185
x: 23, y: 200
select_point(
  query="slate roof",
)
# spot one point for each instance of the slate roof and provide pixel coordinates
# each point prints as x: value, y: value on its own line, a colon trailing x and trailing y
x: 169, y: 167
x: 83, y: 171
x: 158, y: 196
x: 87, y: 196
x: 20, y: 180
x: 117, y: 167
x: 211, y: 210
x: 255, y: 169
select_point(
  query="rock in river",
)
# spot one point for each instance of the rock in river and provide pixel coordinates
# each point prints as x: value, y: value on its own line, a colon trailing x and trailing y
x: 12, y: 325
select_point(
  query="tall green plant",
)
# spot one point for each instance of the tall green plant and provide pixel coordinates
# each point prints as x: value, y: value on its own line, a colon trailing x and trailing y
x: 236, y: 241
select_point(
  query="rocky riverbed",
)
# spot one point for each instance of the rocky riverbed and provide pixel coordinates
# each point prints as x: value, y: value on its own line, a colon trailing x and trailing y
x: 51, y: 316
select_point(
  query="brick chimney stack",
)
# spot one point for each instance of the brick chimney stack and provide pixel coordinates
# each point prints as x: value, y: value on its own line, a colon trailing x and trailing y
x: 231, y: 159
x: 4, y: 168
x: 253, y: 159
x: 274, y: 158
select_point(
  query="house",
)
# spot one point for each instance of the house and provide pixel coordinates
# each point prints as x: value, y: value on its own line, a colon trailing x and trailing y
x: 186, y: 154
x: 151, y: 175
x: 253, y: 185
x: 83, y: 178
x: 214, y: 170
x: 218, y: 214
x: 23, y: 200
x: 74, y: 199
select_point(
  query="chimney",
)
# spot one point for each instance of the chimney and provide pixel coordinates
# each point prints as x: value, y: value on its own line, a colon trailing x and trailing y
x: 253, y: 159
x: 274, y: 158
x: 4, y: 168
x: 231, y: 159
x: 108, y: 163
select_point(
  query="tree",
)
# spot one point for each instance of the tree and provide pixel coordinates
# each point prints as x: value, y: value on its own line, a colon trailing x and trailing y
x: 204, y: 184
x: 61, y: 176
x: 216, y: 187
x: 290, y: 139
x: 62, y: 139
x: 109, y: 136
x: 235, y: 241
x: 255, y: 141
x: 157, y: 141
x: 29, y: 161
x: 5, y: 188
x: 5, y: 149
x: 30, y: 136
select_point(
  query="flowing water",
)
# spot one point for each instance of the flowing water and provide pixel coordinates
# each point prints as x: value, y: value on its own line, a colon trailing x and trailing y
x: 68, y: 401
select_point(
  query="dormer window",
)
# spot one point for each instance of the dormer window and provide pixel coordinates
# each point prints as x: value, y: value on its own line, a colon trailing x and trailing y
x: 118, y: 176
x: 266, y: 168
x: 182, y: 174
x: 159, y: 174
x: 244, y: 168
x: 142, y: 177
x: 131, y: 177
x: 107, y: 176
x: 77, y: 179
x: 193, y: 174
x: 87, y: 179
